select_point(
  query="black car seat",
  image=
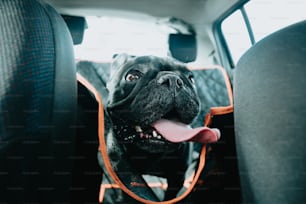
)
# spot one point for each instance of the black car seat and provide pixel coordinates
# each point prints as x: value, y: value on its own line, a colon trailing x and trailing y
x: 270, y: 122
x: 37, y: 104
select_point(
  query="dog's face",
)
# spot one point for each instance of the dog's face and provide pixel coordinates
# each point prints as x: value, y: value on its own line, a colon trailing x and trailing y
x: 144, y: 90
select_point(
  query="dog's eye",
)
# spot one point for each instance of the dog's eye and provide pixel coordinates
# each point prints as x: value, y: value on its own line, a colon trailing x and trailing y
x: 133, y: 75
x: 191, y: 78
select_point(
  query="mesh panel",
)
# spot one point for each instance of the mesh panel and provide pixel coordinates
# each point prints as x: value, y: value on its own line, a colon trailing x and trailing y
x: 212, y: 91
x: 26, y: 68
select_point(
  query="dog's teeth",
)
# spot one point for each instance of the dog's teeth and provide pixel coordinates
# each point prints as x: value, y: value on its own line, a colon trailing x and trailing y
x: 159, y: 137
x: 154, y: 133
x: 138, y: 128
x: 142, y: 135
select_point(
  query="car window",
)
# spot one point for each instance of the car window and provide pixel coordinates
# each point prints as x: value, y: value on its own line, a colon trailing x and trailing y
x: 236, y: 35
x: 263, y: 17
x: 106, y: 36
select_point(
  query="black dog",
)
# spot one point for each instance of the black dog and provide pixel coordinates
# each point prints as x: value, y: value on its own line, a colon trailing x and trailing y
x: 151, y: 102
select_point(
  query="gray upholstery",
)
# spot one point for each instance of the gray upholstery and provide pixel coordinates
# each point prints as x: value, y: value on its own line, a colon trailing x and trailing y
x: 212, y: 90
x: 270, y: 122
x: 37, y: 104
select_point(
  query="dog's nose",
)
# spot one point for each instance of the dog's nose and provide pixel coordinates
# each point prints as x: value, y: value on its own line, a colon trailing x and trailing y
x: 171, y: 80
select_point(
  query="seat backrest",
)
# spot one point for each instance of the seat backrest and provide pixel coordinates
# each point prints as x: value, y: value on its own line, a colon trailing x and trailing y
x: 270, y: 122
x: 37, y: 103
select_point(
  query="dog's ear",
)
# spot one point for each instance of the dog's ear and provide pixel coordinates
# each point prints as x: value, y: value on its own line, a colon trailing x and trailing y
x: 118, y: 61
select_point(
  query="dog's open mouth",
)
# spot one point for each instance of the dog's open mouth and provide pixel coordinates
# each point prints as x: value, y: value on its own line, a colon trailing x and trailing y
x: 146, y: 133
x: 173, y: 131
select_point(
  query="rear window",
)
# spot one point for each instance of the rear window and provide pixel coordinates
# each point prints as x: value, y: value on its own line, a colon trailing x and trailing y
x: 106, y: 36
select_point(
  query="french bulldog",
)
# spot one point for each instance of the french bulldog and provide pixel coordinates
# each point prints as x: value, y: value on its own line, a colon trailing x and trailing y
x: 151, y: 102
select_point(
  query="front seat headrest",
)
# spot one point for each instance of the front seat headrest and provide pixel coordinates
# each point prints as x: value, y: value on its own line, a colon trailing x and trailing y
x: 270, y: 122
x: 37, y: 103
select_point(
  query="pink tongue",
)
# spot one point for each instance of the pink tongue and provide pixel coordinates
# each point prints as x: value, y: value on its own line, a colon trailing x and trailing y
x: 180, y: 132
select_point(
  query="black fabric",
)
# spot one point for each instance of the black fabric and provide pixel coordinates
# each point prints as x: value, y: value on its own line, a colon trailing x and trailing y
x: 37, y: 103
x: 270, y: 124
x: 87, y: 172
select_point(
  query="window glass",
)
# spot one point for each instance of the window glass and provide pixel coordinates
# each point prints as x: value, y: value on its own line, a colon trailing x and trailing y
x: 236, y: 35
x: 269, y: 16
x: 265, y: 17
x: 106, y: 36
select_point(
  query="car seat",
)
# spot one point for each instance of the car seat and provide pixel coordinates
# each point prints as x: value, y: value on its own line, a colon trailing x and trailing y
x: 37, y: 104
x: 270, y: 122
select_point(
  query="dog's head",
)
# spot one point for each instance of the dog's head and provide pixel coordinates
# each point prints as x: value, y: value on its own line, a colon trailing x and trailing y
x: 147, y: 92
